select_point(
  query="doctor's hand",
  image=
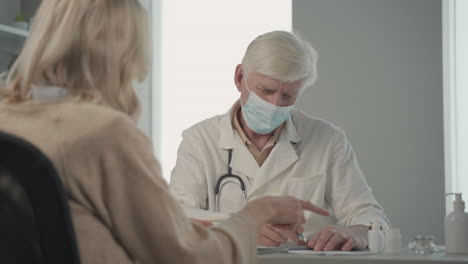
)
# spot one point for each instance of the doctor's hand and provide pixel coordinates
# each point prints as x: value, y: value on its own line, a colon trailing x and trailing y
x: 340, y: 238
x: 284, y: 212
x: 274, y: 235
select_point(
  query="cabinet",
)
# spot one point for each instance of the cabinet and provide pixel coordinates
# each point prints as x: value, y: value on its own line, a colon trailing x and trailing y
x: 12, y: 38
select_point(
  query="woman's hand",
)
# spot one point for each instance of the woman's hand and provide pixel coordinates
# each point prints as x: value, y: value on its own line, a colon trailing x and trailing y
x: 284, y: 212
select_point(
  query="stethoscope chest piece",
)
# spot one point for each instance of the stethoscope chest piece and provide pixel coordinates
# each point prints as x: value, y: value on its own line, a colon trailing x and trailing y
x: 223, y: 179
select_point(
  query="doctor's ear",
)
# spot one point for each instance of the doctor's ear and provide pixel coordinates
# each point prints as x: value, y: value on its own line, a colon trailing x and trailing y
x: 239, y: 77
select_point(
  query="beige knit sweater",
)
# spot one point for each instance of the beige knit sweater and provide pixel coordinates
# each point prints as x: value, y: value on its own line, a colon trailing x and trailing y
x: 121, y: 207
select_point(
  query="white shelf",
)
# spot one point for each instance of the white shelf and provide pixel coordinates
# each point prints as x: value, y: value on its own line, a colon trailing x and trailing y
x: 13, y: 30
x: 11, y: 39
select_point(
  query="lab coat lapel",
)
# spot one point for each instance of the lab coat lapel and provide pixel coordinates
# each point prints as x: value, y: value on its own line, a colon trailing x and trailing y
x: 242, y: 160
x: 282, y: 157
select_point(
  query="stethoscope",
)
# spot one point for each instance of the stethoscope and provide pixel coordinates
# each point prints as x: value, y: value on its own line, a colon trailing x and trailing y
x: 221, y: 182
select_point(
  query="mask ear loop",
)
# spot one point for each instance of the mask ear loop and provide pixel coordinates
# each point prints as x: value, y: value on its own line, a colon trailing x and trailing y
x: 246, y: 86
x: 248, y: 90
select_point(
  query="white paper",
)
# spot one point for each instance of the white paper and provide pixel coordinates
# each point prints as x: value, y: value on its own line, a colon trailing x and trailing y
x: 205, y: 215
x: 331, y: 253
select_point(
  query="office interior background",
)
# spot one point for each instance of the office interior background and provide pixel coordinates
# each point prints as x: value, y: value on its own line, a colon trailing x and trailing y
x: 392, y: 74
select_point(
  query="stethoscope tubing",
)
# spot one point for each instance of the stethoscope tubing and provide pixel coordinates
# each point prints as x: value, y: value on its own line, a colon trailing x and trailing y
x: 229, y: 174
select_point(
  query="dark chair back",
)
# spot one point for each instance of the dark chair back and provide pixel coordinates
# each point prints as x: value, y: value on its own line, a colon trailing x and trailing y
x: 35, y: 221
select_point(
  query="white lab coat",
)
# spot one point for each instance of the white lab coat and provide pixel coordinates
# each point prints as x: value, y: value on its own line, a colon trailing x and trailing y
x: 312, y: 160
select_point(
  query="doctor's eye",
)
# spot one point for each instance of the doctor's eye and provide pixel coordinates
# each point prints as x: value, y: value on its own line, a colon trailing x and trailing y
x: 288, y: 97
x: 268, y: 92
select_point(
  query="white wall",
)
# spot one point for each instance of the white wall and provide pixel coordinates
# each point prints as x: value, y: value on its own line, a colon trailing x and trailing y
x: 198, y: 48
x: 455, y: 21
x: 380, y: 78
x: 461, y: 64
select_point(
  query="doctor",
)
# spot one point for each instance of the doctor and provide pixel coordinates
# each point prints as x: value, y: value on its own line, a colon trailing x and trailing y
x: 263, y: 146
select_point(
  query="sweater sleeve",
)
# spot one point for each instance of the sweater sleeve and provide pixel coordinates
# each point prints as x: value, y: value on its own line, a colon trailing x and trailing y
x: 121, y: 182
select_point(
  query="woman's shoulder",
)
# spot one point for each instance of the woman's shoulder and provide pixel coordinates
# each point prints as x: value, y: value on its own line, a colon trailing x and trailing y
x: 64, y: 114
x: 100, y: 130
x: 63, y: 127
x: 90, y: 112
x: 94, y: 118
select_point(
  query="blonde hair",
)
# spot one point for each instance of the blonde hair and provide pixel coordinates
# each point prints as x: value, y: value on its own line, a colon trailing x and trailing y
x: 282, y: 55
x: 93, y: 48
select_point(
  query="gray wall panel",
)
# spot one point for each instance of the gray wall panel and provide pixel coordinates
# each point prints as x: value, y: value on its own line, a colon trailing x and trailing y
x: 380, y: 78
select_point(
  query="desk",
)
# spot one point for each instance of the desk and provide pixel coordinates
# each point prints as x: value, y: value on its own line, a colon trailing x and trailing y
x: 404, y: 258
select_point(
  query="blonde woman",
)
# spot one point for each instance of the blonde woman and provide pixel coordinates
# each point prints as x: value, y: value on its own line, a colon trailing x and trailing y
x: 70, y: 94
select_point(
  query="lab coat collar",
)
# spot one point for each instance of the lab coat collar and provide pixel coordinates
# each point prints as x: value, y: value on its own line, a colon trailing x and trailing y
x: 227, y: 138
x: 243, y: 161
x: 291, y: 132
x: 282, y: 157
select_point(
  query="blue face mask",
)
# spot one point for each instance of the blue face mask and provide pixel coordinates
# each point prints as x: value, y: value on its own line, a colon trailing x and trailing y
x: 261, y: 116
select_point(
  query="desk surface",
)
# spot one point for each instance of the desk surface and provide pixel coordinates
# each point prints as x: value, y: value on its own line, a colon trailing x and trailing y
x: 404, y: 258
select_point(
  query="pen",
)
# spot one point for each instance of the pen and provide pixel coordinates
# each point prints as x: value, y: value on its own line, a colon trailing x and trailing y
x: 301, y: 236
